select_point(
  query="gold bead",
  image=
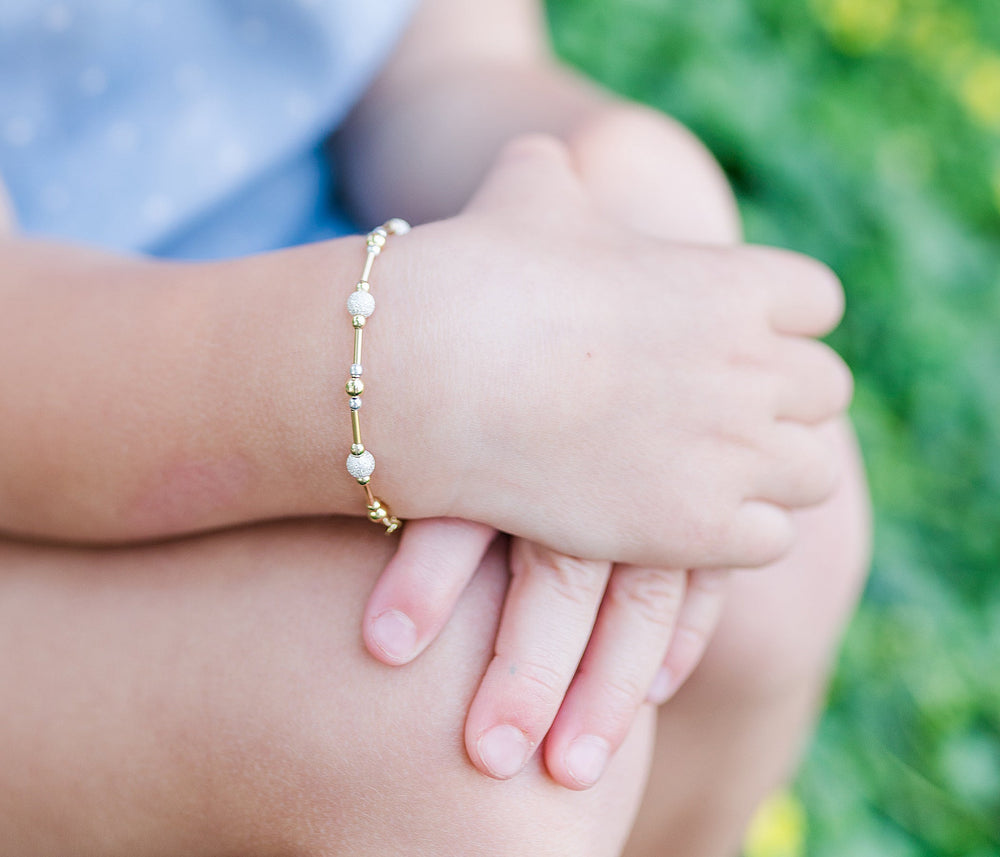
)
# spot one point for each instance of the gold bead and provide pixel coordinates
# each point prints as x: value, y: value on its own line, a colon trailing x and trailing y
x: 355, y: 387
x: 364, y: 286
x: 392, y: 524
x: 378, y: 514
x: 376, y: 237
x: 357, y: 448
x: 358, y: 321
x: 364, y: 480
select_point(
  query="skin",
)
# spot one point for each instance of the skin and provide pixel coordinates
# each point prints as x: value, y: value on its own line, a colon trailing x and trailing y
x: 213, y: 462
x: 174, y: 620
x: 174, y: 440
x: 844, y: 568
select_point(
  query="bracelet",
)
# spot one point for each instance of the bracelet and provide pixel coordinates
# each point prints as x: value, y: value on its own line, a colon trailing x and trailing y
x: 361, y: 304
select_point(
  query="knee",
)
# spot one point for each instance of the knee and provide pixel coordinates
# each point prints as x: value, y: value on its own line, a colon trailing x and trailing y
x: 361, y: 758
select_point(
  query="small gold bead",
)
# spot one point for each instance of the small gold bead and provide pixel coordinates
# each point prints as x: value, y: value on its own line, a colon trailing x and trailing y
x: 358, y: 321
x: 364, y: 286
x: 355, y: 387
x: 376, y: 238
x: 377, y: 514
x: 357, y: 448
x: 364, y: 480
x: 392, y: 524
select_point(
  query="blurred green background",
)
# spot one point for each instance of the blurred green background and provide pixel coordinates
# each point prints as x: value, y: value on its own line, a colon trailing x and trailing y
x: 867, y: 133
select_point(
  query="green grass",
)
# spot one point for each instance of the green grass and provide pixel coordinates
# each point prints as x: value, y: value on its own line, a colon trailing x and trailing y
x: 867, y: 133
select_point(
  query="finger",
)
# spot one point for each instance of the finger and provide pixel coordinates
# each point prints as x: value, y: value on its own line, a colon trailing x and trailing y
x: 630, y: 639
x: 700, y: 613
x: 802, y: 467
x: 419, y: 587
x: 759, y: 533
x: 819, y: 385
x: 807, y: 299
x: 547, y: 619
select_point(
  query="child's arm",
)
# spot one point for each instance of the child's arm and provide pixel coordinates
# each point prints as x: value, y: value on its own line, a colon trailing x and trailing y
x: 142, y: 399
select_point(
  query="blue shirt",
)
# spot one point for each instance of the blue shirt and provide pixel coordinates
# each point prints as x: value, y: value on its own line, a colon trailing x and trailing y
x: 182, y: 128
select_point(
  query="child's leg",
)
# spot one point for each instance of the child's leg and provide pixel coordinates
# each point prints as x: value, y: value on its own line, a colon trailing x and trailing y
x: 213, y: 696
x: 736, y: 729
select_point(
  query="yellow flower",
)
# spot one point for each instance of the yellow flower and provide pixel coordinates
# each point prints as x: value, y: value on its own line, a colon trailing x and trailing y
x: 858, y: 26
x: 944, y: 39
x: 778, y: 828
x: 980, y: 90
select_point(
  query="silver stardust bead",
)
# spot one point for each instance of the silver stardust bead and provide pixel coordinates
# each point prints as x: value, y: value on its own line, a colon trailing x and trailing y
x: 397, y: 226
x: 360, y: 466
x: 361, y: 303
x: 356, y: 370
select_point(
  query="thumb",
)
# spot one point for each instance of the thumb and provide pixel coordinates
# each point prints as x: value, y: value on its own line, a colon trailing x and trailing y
x: 531, y: 170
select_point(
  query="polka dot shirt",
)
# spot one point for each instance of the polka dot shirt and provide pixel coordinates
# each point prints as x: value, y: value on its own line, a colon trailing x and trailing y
x: 189, y: 128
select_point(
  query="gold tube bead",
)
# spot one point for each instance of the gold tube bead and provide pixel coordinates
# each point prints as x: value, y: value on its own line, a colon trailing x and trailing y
x: 358, y: 334
x: 368, y: 267
x: 356, y: 427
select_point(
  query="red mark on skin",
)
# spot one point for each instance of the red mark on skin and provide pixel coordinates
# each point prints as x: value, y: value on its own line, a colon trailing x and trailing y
x: 190, y: 495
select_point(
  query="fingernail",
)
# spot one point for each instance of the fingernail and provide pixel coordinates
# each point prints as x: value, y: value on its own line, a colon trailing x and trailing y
x: 395, y: 635
x: 662, y: 687
x: 586, y: 758
x: 503, y: 750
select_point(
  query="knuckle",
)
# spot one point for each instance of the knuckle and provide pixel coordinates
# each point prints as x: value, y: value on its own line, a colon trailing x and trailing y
x: 690, y: 640
x: 708, y: 581
x: 655, y: 595
x: 574, y: 580
x: 620, y: 697
x: 540, y: 684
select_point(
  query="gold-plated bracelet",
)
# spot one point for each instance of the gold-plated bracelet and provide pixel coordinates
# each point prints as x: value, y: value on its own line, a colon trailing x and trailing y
x: 361, y: 304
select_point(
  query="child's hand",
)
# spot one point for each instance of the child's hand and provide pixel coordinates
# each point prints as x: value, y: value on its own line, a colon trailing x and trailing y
x: 554, y: 613
x: 581, y: 644
x: 608, y: 394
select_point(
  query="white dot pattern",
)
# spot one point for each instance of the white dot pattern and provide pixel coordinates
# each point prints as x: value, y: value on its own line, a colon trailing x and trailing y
x: 124, y: 121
